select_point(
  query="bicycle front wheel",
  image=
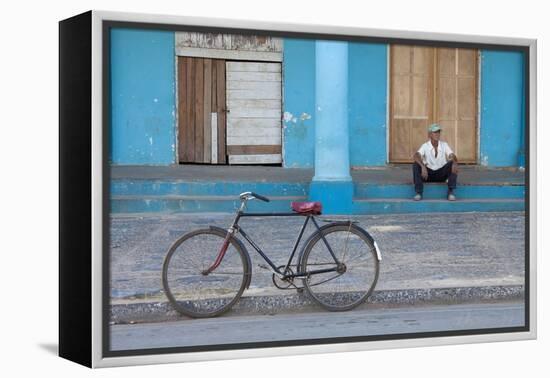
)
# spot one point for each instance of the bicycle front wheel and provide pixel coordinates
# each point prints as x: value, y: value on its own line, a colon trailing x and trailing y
x: 194, y: 293
x: 350, y: 283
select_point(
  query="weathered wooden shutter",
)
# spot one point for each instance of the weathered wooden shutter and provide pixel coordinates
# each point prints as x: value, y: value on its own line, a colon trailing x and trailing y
x: 201, y: 110
x: 254, y: 112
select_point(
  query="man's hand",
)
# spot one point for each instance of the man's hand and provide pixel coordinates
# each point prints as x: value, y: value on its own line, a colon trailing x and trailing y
x: 418, y: 160
x: 454, y: 166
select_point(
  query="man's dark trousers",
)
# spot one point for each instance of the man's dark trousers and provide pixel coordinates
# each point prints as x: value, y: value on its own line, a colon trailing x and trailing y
x: 439, y: 175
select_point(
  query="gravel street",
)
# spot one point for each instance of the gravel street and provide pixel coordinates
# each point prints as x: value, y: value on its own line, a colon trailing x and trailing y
x: 418, y: 250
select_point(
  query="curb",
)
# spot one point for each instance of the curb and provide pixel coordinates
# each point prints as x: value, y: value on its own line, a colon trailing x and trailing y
x: 297, y: 302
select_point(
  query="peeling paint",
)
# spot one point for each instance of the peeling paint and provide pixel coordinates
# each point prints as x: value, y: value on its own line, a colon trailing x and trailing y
x: 299, y: 101
x: 484, y: 160
x: 287, y: 116
x: 305, y: 116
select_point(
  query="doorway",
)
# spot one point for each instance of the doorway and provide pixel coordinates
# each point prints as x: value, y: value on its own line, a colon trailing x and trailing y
x: 229, y: 112
x: 433, y: 84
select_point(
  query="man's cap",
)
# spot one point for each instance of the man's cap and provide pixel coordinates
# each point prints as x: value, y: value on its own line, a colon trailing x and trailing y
x: 434, y: 127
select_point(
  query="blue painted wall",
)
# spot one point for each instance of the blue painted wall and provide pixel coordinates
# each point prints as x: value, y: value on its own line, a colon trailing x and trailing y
x: 143, y: 122
x: 142, y: 97
x: 367, y: 97
x: 367, y: 103
x: 502, y: 102
x: 299, y: 103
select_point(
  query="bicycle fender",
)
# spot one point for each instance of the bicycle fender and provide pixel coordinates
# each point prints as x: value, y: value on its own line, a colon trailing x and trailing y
x: 243, y: 248
x: 368, y: 236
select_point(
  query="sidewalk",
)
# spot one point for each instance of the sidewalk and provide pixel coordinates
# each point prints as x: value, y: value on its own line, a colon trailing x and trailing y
x: 426, y: 258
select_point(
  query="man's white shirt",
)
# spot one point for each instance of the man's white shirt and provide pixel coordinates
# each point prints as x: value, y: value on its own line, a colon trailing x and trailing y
x: 427, y: 151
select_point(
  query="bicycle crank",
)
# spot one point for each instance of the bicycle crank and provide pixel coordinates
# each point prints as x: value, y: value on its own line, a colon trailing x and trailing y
x: 285, y: 283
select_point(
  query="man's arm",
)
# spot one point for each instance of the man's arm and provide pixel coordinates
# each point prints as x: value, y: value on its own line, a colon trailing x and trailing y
x: 454, y: 167
x: 418, y: 159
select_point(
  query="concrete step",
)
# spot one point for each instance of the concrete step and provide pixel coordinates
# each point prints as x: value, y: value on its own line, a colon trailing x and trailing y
x: 134, y: 187
x: 177, y: 196
x: 228, y: 204
x: 361, y: 190
x: 399, y: 205
x: 438, y: 191
x: 197, y: 204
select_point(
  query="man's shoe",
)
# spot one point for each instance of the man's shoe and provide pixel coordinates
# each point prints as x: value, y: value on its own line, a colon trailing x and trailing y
x: 417, y: 197
x: 451, y: 197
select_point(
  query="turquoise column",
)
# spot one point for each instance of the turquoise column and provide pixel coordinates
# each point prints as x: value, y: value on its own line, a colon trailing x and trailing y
x: 332, y: 183
x: 521, y: 153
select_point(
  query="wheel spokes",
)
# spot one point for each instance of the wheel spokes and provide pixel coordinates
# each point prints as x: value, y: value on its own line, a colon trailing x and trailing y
x: 194, y: 293
x: 356, y: 276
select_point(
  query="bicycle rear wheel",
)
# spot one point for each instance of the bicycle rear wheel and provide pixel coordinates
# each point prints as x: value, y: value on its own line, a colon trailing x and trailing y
x: 355, y: 279
x: 199, y: 295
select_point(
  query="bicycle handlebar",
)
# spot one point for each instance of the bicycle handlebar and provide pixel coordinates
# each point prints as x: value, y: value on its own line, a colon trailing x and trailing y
x: 265, y: 199
x: 244, y: 196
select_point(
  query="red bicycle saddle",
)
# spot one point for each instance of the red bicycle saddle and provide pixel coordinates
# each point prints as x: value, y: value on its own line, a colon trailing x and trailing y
x: 306, y: 208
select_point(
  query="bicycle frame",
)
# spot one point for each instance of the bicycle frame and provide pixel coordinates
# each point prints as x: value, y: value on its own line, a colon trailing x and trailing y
x: 217, y: 295
x: 235, y: 228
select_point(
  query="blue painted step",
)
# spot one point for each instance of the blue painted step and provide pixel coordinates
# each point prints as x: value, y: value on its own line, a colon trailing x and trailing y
x: 398, y: 205
x: 197, y: 204
x: 164, y: 196
x: 193, y: 188
x: 361, y: 190
x: 438, y: 191
x: 224, y: 204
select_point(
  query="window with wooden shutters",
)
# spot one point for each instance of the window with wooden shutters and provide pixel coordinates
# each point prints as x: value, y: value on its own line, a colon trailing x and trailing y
x: 229, y: 98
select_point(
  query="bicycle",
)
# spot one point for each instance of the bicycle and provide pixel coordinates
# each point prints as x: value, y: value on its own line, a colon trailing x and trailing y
x: 206, y: 271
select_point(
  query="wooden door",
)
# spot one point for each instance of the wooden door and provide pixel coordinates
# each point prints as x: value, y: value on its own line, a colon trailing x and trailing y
x: 201, y: 110
x: 254, y: 112
x: 456, y: 101
x: 429, y: 84
x: 411, y: 108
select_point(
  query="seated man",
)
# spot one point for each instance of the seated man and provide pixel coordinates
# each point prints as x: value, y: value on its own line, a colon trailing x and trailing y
x: 435, y: 162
